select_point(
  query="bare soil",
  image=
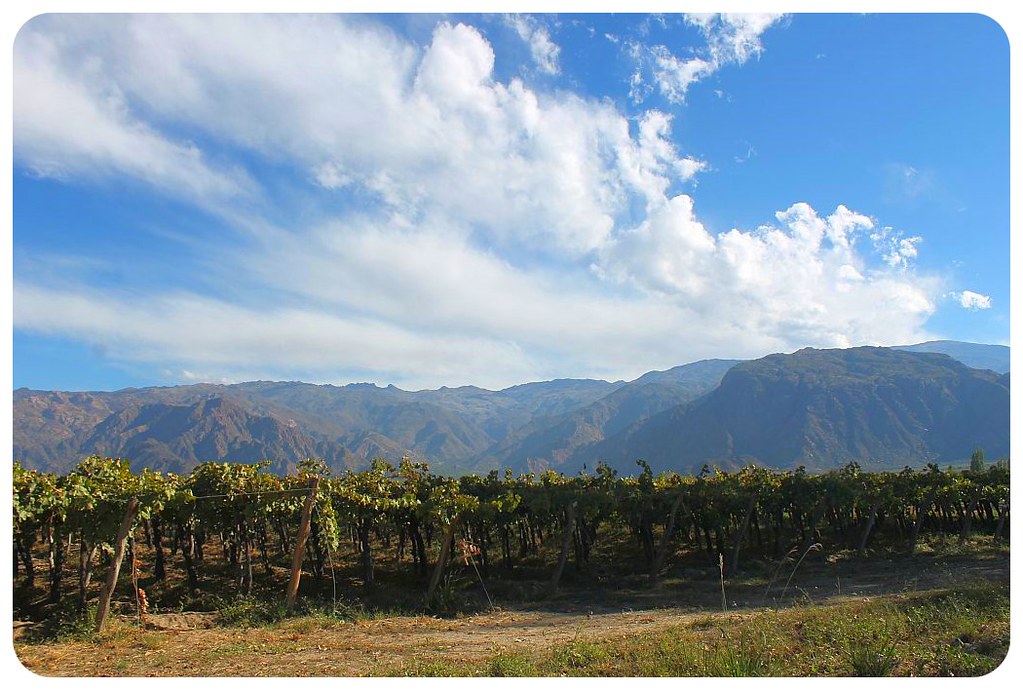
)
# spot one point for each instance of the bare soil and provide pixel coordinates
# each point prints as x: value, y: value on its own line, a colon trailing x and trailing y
x: 351, y: 649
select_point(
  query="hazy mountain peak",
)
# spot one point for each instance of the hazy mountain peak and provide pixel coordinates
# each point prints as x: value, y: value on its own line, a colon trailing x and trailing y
x: 976, y: 355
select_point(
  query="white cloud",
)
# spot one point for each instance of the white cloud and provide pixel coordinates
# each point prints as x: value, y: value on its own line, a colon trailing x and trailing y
x: 803, y: 280
x: 896, y: 251
x: 431, y: 280
x: 972, y: 300
x: 673, y: 76
x: 456, y: 69
x: 544, y: 51
x: 421, y: 307
x: 421, y: 129
x: 734, y: 38
x: 331, y: 176
x: 731, y: 39
x: 198, y: 377
x: 498, y: 233
x: 184, y: 328
x: 72, y: 120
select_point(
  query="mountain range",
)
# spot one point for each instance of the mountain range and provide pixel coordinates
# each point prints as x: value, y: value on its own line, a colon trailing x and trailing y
x: 881, y: 407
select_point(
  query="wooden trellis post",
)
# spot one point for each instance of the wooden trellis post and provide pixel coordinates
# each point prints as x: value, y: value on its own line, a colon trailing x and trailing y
x: 115, y: 568
x: 669, y: 529
x: 566, y: 542
x: 299, y: 552
x: 442, y: 559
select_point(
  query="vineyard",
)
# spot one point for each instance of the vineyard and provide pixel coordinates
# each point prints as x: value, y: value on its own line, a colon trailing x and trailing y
x: 230, y: 526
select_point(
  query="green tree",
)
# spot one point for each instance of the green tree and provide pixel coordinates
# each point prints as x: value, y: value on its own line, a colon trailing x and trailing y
x: 977, y: 460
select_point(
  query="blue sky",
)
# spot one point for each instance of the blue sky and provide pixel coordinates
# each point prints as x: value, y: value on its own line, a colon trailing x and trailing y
x: 433, y: 200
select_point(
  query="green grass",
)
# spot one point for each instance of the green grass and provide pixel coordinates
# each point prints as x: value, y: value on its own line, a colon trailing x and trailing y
x: 964, y: 632
x: 510, y: 665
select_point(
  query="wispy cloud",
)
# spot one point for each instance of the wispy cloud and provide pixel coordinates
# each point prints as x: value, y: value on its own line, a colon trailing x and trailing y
x: 544, y: 51
x: 895, y: 249
x: 228, y: 338
x: 730, y: 39
x: 73, y: 120
x: 750, y: 152
x: 907, y: 182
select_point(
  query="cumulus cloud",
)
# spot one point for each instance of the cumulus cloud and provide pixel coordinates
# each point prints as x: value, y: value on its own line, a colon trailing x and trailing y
x: 972, y: 300
x: 801, y: 279
x: 439, y: 226
x: 416, y: 129
x: 730, y: 39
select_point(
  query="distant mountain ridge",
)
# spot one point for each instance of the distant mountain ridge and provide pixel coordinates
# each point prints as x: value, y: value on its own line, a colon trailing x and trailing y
x: 178, y: 426
x: 976, y: 355
x: 814, y: 407
x: 552, y: 442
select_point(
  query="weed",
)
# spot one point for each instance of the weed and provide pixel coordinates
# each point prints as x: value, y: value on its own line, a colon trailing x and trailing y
x: 448, y: 599
x: 312, y: 623
x: 68, y: 623
x: 580, y: 654
x: 748, y: 657
x: 676, y: 656
x: 787, y: 558
x: 249, y: 612
x: 871, y: 656
x: 511, y: 665
x: 955, y: 662
x: 205, y: 601
x: 702, y: 623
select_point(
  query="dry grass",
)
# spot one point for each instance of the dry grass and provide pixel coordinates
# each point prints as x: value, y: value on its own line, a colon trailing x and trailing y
x: 943, y: 612
x: 962, y: 631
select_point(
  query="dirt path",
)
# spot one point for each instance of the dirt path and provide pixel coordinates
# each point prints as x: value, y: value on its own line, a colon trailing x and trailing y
x: 181, y: 645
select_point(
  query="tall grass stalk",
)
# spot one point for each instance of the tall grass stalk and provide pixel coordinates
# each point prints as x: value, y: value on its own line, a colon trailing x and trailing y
x: 785, y: 559
x: 721, y: 570
x: 813, y: 547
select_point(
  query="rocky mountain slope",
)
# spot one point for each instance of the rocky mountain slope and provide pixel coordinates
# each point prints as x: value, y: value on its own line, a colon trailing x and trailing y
x: 880, y: 407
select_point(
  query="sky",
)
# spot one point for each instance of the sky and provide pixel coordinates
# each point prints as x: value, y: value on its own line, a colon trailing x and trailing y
x: 427, y: 200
